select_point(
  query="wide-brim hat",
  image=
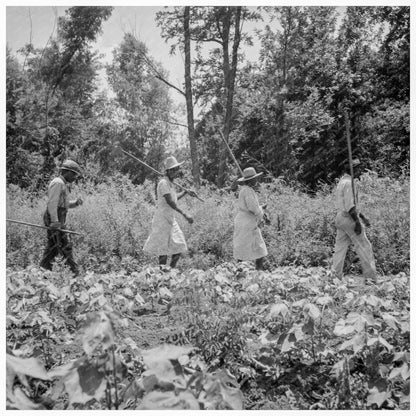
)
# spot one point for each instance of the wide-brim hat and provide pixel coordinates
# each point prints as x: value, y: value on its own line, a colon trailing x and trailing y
x: 248, y: 174
x: 71, y: 166
x: 171, y: 163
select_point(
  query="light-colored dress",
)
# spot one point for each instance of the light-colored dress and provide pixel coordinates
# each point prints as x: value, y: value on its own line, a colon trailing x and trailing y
x: 248, y: 243
x: 166, y: 237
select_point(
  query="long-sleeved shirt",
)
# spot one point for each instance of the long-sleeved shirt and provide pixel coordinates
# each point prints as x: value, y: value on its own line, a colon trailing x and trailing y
x: 344, y: 196
x: 57, y: 197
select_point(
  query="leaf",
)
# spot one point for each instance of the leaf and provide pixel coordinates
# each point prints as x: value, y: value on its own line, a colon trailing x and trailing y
x: 84, y: 382
x: 390, y: 320
x: 357, y: 343
x: 162, y: 361
x: 308, y: 328
x: 339, y: 368
x: 359, y: 321
x: 371, y: 300
x: 402, y: 371
x: 166, y: 352
x: 312, y: 311
x: 157, y: 400
x: 29, y: 366
x: 164, y: 292
x: 98, y: 330
x: 324, y: 300
x: 288, y: 343
x: 381, y: 341
x: 221, y: 278
x: 132, y: 344
x: 19, y: 401
x: 128, y: 293
x: 378, y: 392
x: 222, y: 392
x: 299, y: 303
x: 278, y: 309
x: 138, y: 298
x: 341, y: 328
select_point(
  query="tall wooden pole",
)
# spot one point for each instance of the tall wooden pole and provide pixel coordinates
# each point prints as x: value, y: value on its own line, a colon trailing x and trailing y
x: 347, y: 126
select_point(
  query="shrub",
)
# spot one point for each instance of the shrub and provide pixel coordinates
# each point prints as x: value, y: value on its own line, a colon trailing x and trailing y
x: 116, y: 219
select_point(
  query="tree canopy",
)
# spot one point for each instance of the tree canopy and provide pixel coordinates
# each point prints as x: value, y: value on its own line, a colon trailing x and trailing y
x: 285, y: 112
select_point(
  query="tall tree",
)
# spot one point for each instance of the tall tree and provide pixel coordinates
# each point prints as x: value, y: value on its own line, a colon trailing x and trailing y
x: 214, y: 74
x: 146, y: 104
x: 188, y: 95
x: 51, y: 115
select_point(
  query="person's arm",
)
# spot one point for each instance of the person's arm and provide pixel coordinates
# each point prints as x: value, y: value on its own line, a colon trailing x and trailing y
x: 253, y: 205
x: 354, y: 216
x: 173, y: 205
x: 75, y: 203
x: 187, y: 192
x: 54, y: 193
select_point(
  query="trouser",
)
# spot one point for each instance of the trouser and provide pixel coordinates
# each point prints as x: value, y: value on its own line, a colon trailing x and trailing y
x: 345, y: 236
x: 58, y: 243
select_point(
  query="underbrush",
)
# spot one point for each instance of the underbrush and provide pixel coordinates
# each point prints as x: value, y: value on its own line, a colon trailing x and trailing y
x: 116, y: 219
x: 289, y: 339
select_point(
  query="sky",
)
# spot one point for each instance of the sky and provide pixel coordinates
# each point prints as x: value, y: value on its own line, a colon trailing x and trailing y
x: 37, y: 23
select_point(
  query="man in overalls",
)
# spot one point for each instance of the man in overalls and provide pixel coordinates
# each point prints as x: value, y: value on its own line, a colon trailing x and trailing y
x: 351, y: 230
x: 55, y: 216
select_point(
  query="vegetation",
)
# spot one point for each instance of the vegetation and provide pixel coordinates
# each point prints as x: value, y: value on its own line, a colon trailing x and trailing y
x: 213, y: 334
x: 234, y: 338
x: 286, y: 111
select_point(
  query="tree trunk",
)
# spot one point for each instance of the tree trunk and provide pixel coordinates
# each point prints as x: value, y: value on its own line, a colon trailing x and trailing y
x: 189, y: 103
x: 229, y: 82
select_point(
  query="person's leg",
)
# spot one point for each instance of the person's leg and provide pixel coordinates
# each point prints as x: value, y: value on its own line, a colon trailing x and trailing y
x: 174, y: 260
x: 342, y: 241
x: 66, y: 248
x: 365, y: 253
x: 51, y: 251
x: 260, y: 263
x: 163, y: 260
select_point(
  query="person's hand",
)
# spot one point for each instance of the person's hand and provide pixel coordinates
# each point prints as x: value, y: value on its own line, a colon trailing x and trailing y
x: 358, y: 227
x: 191, y: 193
x: 79, y: 202
x: 188, y: 218
x: 55, y: 225
x: 365, y: 220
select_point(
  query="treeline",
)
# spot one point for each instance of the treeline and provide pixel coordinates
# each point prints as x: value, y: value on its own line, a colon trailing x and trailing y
x: 284, y: 113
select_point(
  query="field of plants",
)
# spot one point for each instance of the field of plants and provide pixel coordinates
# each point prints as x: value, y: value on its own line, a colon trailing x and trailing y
x: 213, y: 334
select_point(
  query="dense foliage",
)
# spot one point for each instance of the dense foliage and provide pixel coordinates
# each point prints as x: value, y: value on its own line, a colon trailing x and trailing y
x: 287, y: 110
x: 115, y: 220
x: 213, y: 334
x: 289, y: 339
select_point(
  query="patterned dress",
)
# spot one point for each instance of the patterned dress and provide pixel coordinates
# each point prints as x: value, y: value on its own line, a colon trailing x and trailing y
x: 248, y: 243
x: 166, y: 237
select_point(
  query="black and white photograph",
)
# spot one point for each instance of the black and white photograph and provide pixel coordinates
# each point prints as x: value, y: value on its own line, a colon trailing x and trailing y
x: 207, y: 206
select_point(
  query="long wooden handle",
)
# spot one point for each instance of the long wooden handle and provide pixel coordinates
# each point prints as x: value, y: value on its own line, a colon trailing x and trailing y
x: 347, y: 126
x: 231, y: 153
x: 44, y: 227
x: 155, y: 171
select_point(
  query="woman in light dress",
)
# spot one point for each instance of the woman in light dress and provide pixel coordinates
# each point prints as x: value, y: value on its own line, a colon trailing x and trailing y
x: 248, y: 243
x: 166, y: 237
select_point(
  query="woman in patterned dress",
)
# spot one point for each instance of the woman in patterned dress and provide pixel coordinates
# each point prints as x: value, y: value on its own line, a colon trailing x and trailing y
x: 248, y: 243
x: 166, y: 237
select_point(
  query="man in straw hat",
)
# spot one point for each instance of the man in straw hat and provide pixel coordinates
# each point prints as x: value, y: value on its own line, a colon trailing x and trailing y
x: 166, y: 237
x: 350, y: 229
x: 248, y: 243
x: 55, y: 216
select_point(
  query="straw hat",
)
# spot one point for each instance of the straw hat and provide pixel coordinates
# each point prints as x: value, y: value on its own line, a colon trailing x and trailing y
x: 171, y: 163
x: 72, y: 166
x: 249, y: 173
